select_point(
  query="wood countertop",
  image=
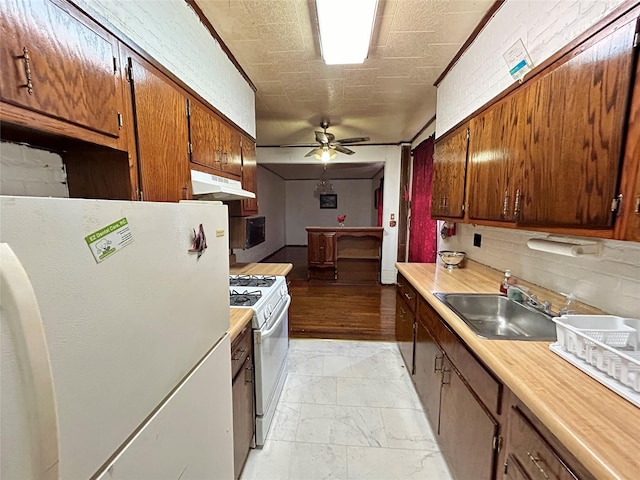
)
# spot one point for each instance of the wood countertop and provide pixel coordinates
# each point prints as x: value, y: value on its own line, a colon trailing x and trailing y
x: 600, y: 428
x: 239, y: 317
x: 280, y: 269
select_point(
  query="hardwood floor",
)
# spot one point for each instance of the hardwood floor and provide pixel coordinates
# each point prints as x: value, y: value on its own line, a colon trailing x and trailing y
x: 327, y: 310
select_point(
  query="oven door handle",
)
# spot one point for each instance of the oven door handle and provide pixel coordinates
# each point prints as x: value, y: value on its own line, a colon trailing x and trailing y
x: 277, y: 323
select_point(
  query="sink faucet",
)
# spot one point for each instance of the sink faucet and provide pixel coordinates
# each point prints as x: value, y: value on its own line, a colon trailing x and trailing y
x: 515, y: 292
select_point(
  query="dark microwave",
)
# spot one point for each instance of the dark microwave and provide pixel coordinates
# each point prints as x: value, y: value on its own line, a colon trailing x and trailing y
x: 246, y: 232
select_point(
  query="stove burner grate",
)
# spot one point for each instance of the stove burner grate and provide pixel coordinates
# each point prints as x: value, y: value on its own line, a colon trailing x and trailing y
x: 251, y: 281
x: 244, y: 299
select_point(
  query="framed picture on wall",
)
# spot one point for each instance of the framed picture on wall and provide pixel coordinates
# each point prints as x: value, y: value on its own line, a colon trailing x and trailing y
x: 329, y: 200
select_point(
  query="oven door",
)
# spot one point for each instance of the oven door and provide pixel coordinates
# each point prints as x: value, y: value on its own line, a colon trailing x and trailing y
x: 270, y: 345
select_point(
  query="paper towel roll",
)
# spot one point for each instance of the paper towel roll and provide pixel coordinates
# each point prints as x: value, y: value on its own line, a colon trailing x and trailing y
x: 562, y: 248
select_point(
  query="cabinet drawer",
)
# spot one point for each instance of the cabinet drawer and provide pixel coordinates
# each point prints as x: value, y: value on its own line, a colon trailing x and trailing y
x: 532, y: 452
x: 240, y: 350
x: 483, y: 383
x: 407, y: 292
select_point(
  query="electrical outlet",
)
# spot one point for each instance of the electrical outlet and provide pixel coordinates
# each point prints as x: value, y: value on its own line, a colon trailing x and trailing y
x: 477, y: 240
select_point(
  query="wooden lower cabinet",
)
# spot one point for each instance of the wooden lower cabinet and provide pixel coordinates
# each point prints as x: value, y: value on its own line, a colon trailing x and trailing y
x: 428, y: 374
x: 515, y: 470
x: 531, y: 453
x: 467, y: 433
x: 405, y: 332
x: 243, y: 398
x: 465, y: 428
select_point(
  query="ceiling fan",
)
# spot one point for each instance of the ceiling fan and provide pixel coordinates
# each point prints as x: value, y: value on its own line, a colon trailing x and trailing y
x: 326, y: 147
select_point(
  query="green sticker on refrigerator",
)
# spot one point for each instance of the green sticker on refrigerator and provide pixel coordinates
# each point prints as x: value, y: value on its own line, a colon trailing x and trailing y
x: 110, y: 239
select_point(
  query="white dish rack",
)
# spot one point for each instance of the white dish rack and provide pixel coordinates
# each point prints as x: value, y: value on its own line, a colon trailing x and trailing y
x: 605, y: 347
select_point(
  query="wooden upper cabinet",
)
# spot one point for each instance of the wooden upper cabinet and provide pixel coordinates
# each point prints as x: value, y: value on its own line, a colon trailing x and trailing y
x: 162, y: 135
x: 449, y: 169
x: 576, y: 119
x: 249, y: 176
x: 628, y: 226
x: 213, y: 143
x: 204, y: 135
x: 58, y: 65
x: 495, y: 160
x: 230, y: 156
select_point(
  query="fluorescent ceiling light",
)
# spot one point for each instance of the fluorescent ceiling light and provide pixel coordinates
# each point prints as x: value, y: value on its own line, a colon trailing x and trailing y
x: 345, y: 29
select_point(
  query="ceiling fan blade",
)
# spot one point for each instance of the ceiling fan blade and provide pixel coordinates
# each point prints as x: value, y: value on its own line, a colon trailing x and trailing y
x: 344, y: 150
x: 345, y: 141
x: 322, y: 137
x: 331, y: 137
x: 311, y: 152
x: 309, y: 145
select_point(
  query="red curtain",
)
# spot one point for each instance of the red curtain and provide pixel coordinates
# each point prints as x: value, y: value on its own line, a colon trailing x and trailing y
x: 422, y: 232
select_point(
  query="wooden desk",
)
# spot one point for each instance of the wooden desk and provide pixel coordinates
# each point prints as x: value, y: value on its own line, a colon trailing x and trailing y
x: 344, y: 254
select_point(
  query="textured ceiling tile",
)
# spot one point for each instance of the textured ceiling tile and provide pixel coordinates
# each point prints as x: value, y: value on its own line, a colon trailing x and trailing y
x: 425, y: 75
x: 270, y: 88
x: 272, y: 11
x: 357, y: 91
x: 264, y: 71
x: 388, y: 96
x: 291, y: 61
x: 319, y: 70
x: 411, y: 16
x: 407, y: 44
x: 477, y: 6
x: 362, y: 76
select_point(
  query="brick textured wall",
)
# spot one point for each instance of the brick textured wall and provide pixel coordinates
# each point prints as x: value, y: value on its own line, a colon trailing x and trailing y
x: 32, y: 172
x: 171, y: 32
x: 611, y: 281
x: 481, y: 73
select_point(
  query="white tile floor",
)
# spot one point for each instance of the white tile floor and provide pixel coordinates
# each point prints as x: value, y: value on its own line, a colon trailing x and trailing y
x: 347, y: 411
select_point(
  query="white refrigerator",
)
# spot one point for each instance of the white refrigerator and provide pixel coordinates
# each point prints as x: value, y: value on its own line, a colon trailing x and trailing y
x: 115, y: 361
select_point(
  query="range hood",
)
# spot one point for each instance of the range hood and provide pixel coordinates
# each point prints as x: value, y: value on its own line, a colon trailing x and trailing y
x: 212, y: 187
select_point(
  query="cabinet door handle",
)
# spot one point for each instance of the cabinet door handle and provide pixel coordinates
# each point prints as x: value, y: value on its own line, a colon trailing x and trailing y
x: 248, y: 374
x: 444, y: 373
x: 437, y: 369
x: 407, y: 296
x: 536, y: 462
x: 516, y: 206
x: 27, y: 70
x: 637, y: 209
x: 505, y: 204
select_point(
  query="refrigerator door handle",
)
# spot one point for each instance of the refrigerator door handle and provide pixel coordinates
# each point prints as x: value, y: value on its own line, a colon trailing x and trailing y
x: 20, y: 309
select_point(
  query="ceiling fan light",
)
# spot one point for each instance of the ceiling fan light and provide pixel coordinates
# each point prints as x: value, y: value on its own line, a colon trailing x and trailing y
x: 325, y: 154
x: 345, y: 29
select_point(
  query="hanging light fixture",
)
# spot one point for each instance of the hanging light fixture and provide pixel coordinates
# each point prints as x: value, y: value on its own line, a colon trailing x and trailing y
x: 324, y: 185
x: 325, y: 154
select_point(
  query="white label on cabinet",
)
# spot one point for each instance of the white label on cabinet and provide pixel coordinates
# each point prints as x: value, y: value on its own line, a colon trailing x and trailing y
x: 518, y: 60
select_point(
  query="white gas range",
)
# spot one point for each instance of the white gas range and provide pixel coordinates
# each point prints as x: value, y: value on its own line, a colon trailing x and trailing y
x: 269, y: 298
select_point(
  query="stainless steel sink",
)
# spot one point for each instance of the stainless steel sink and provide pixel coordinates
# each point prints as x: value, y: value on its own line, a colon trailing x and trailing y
x: 498, y: 317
